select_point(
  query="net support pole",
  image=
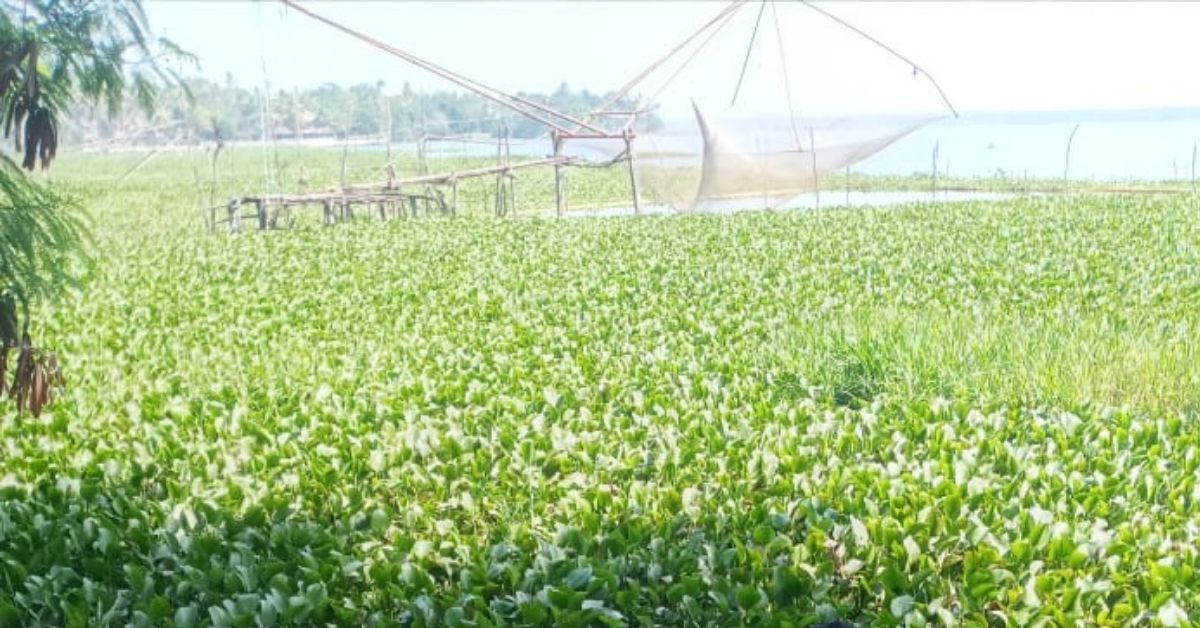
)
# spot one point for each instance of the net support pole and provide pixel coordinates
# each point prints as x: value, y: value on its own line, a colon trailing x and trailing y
x: 559, y: 175
x: 812, y: 146
x: 633, y: 189
x: 235, y: 215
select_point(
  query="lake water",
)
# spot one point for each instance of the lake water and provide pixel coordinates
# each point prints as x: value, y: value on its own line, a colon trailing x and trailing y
x: 827, y: 199
x: 1114, y: 146
x: 1103, y: 149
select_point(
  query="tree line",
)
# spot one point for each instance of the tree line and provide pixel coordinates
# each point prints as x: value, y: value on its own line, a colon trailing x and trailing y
x: 205, y: 110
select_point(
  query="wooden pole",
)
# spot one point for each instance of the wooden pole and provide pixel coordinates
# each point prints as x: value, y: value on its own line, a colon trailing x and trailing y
x: 559, y: 199
x: 235, y: 207
x: 1067, y: 160
x: 511, y: 180
x: 422, y: 167
x: 463, y: 174
x: 847, y: 186
x: 498, y: 204
x: 933, y: 182
x: 633, y: 188
x: 1193, y: 167
x: 812, y: 146
x: 261, y: 208
x: 387, y: 127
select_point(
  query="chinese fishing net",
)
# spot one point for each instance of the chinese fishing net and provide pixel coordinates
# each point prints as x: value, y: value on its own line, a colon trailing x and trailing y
x: 761, y: 102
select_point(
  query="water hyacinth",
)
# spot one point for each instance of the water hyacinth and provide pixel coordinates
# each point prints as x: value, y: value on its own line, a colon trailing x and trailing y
x: 968, y: 414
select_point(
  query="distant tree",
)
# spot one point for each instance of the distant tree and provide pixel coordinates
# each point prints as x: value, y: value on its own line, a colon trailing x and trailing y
x: 52, y: 51
x: 358, y: 110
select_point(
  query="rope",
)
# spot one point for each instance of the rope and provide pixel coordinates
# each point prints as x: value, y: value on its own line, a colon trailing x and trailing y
x: 504, y: 99
x: 787, y: 85
x: 689, y: 59
x: 749, y: 48
x: 916, y: 68
x: 625, y: 89
x: 264, y: 112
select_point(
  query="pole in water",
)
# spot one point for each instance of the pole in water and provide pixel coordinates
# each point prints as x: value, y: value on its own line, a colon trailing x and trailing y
x: 558, y: 174
x: 632, y: 177
x: 847, y: 185
x: 812, y: 146
x: 1193, y: 167
x: 1067, y: 159
x: 511, y: 180
x: 933, y: 184
x: 498, y: 207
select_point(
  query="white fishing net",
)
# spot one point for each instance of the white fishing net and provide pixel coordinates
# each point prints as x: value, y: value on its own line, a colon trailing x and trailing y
x: 763, y: 103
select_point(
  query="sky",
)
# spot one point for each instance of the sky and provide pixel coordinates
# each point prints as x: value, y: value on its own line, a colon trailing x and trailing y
x: 1008, y: 56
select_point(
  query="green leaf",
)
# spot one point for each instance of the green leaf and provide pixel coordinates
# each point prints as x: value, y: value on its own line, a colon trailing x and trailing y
x: 185, y: 616
x: 901, y: 605
x: 750, y: 597
x: 579, y: 578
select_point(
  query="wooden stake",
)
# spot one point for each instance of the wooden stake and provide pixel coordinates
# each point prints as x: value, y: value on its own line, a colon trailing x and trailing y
x: 387, y: 115
x: 812, y: 146
x: 558, y: 175
x: 933, y: 182
x: 422, y: 167
x: 1067, y: 160
x: 847, y: 186
x: 345, y: 152
x: 1193, y: 167
x: 498, y: 204
x: 235, y: 214
x: 633, y: 189
x: 512, y: 188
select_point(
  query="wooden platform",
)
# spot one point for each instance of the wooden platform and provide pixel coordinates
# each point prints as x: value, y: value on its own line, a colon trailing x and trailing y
x: 389, y: 200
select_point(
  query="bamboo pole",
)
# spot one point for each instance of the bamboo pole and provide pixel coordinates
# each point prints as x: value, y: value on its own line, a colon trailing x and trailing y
x: 477, y: 172
x: 1193, y: 167
x: 512, y: 186
x: 558, y: 175
x: 933, y: 182
x: 847, y: 186
x: 422, y: 167
x: 812, y: 146
x: 1067, y: 160
x: 387, y: 120
x: 235, y: 215
x: 498, y: 203
x: 633, y: 188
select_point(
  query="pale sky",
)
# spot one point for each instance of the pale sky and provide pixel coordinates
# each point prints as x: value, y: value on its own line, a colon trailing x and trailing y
x: 987, y: 56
